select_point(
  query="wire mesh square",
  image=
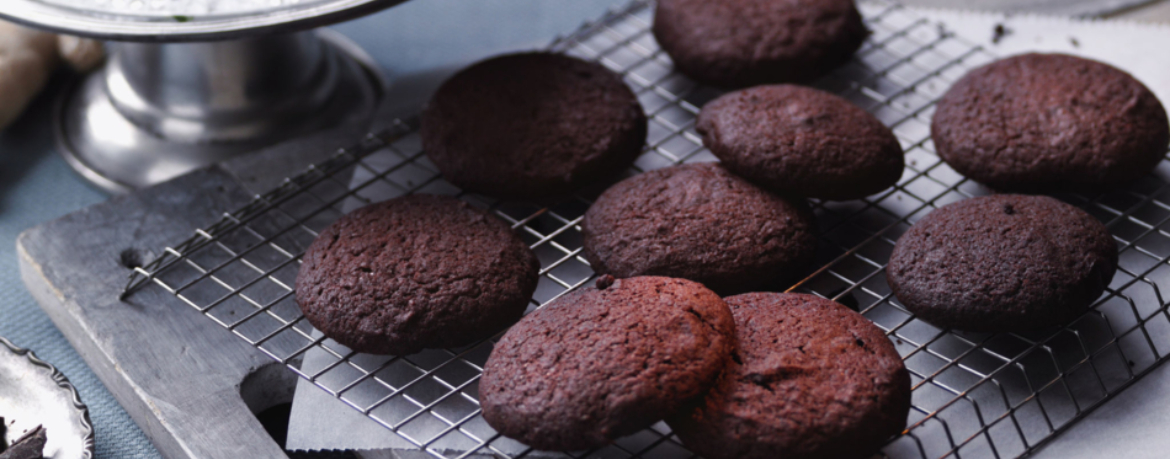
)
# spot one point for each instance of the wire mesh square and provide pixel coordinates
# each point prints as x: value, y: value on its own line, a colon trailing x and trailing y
x: 974, y: 395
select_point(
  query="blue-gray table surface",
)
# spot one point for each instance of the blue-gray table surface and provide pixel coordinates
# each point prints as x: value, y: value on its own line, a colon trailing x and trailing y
x: 417, y: 44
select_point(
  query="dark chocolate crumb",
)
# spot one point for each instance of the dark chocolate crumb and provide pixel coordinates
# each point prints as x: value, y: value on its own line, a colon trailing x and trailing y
x: 30, y: 446
x: 999, y: 32
x: 604, y: 281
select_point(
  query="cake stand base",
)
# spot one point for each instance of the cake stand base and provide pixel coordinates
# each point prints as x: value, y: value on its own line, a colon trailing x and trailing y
x: 158, y: 110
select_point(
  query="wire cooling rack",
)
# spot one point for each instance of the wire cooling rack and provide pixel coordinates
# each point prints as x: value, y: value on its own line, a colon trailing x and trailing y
x: 974, y: 396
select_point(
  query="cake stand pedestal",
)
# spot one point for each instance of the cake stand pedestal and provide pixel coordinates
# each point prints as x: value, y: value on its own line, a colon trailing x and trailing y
x: 192, y: 83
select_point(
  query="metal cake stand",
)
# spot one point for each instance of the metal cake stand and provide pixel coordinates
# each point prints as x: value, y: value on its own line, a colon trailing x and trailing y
x: 194, y: 82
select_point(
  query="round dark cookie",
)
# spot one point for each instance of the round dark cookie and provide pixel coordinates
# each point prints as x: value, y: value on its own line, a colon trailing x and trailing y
x: 1002, y: 263
x: 798, y: 140
x: 737, y: 43
x: 810, y: 379
x: 1046, y: 122
x: 699, y: 222
x: 415, y: 272
x: 604, y: 362
x: 530, y: 125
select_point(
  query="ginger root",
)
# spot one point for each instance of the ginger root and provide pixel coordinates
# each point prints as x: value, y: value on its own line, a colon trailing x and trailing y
x: 83, y: 54
x: 27, y: 59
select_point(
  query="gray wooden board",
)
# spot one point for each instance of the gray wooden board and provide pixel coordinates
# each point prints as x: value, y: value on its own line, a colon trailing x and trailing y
x: 177, y: 373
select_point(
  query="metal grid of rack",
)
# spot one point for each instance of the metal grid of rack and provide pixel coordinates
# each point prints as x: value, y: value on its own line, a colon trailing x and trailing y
x: 975, y: 395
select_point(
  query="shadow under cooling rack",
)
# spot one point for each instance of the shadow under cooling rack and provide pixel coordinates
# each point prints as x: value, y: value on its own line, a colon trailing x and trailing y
x: 975, y: 395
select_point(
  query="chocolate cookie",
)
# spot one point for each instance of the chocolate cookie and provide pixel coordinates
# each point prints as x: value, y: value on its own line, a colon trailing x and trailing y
x: 699, y: 222
x: 530, y: 125
x: 797, y: 140
x: 810, y: 379
x: 1002, y: 263
x: 735, y: 43
x: 600, y: 363
x: 415, y: 272
x: 1046, y: 122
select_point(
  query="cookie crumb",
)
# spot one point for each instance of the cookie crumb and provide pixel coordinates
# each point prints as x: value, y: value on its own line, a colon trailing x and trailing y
x: 30, y: 445
x: 604, y: 281
x: 999, y: 32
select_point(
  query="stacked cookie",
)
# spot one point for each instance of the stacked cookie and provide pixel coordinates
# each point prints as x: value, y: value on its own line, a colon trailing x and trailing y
x: 809, y: 379
x: 604, y: 362
x: 759, y: 375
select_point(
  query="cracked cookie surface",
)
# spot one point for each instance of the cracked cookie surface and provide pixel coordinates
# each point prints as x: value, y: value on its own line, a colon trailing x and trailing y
x: 809, y: 379
x: 415, y: 272
x: 801, y: 141
x: 699, y: 222
x: 1048, y: 122
x: 1002, y: 263
x: 603, y: 362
